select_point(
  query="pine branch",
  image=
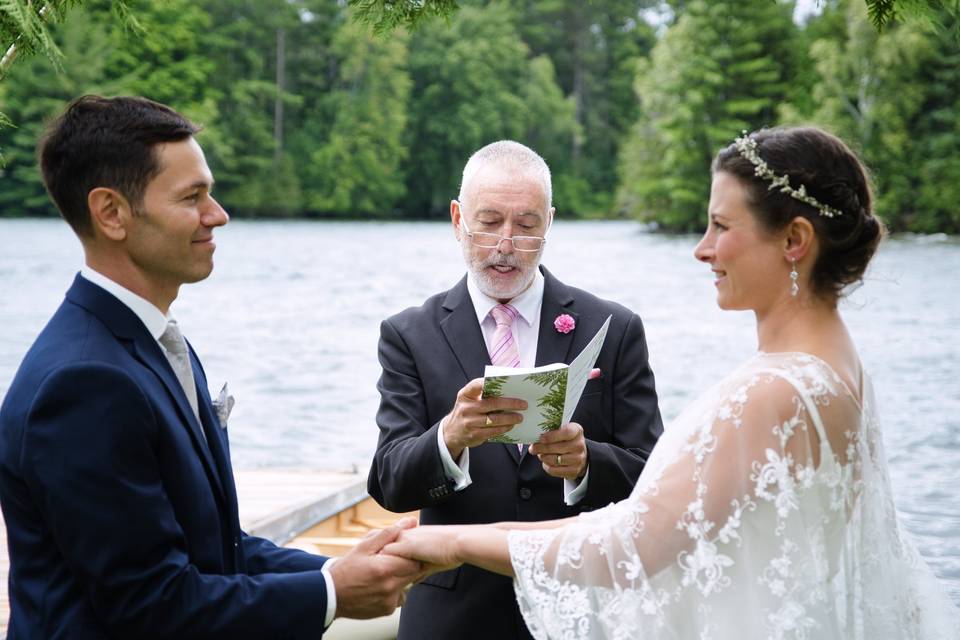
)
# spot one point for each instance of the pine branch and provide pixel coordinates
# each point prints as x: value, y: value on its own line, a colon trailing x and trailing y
x: 385, y: 16
x: 124, y: 15
x: 27, y: 29
x: 883, y: 13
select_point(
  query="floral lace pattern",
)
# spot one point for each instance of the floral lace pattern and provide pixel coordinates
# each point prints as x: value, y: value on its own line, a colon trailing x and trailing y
x: 765, y: 511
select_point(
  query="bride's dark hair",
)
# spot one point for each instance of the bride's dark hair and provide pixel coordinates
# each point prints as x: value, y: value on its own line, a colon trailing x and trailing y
x: 835, y: 177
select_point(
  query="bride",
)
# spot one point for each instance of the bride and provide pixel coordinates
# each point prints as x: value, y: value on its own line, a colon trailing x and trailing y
x: 765, y: 510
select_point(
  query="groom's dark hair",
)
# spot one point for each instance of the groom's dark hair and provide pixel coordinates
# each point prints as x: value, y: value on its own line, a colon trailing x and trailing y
x: 105, y: 142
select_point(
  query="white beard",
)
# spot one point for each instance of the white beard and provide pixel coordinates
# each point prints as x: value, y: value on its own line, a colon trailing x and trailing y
x: 490, y: 287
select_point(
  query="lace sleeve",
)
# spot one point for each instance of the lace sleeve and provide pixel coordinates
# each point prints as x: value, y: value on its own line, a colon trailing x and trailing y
x: 715, y: 518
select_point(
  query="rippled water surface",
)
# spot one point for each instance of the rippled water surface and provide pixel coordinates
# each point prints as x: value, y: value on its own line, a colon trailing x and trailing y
x: 291, y: 317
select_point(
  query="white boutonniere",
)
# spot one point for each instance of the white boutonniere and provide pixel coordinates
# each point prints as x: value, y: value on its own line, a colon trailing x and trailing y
x: 223, y: 405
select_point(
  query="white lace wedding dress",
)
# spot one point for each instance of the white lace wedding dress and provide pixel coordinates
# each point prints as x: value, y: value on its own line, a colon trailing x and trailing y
x: 765, y: 511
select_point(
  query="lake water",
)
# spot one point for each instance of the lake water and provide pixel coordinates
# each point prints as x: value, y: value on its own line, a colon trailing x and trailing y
x: 290, y: 317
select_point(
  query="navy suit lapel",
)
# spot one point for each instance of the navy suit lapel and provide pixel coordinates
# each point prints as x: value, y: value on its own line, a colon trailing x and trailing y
x: 127, y: 327
x: 148, y: 351
x: 216, y: 435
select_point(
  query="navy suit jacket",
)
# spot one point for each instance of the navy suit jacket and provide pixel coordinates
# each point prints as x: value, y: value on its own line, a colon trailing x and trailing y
x: 121, y: 513
x: 428, y: 354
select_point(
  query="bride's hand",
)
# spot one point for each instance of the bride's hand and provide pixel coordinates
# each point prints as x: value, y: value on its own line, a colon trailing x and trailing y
x: 435, y: 546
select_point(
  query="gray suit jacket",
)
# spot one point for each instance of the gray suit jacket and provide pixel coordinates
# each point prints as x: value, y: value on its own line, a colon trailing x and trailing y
x: 428, y: 354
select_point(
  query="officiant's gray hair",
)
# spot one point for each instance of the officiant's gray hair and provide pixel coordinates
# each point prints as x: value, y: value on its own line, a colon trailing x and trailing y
x: 510, y: 156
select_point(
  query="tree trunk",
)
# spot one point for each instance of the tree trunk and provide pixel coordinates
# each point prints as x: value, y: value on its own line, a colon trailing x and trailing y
x: 579, y: 47
x: 278, y: 105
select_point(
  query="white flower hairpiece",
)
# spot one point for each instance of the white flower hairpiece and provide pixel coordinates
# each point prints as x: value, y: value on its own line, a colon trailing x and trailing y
x: 747, y: 147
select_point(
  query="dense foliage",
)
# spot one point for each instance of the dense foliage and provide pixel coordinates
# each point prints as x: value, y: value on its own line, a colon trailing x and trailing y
x: 723, y: 66
x: 307, y: 111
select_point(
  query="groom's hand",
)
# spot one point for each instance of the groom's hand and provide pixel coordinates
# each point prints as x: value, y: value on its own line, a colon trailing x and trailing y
x: 563, y: 452
x: 474, y: 420
x: 370, y: 584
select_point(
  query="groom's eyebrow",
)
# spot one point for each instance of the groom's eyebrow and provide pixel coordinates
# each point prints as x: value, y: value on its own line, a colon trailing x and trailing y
x: 203, y: 183
x: 198, y: 184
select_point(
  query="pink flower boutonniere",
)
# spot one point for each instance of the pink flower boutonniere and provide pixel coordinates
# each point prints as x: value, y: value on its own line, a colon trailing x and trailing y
x: 564, y: 323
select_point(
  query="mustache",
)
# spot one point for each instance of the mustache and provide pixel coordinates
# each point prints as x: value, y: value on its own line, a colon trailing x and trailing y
x: 501, y: 260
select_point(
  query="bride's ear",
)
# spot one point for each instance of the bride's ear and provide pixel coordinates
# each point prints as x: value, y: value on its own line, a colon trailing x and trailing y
x: 799, y: 239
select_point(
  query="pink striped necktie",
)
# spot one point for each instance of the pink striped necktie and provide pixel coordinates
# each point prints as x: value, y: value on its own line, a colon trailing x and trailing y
x: 503, y: 346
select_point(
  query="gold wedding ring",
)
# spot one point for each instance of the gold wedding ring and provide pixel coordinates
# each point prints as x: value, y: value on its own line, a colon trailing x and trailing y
x: 559, y: 460
x: 489, y: 422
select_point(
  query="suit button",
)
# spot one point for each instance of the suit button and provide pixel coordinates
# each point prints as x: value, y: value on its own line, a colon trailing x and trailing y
x: 525, y: 493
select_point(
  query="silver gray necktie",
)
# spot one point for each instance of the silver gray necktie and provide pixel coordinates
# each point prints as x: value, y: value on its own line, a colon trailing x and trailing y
x: 176, y: 350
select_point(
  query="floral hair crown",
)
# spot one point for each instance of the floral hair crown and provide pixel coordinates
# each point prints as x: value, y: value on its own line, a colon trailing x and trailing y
x: 747, y: 147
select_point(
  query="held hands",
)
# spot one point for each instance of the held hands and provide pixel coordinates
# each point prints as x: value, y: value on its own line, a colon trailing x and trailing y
x: 434, y: 546
x: 370, y: 583
x: 473, y: 420
x: 563, y: 453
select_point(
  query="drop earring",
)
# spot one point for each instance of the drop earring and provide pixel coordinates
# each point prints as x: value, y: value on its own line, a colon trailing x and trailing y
x: 794, y: 287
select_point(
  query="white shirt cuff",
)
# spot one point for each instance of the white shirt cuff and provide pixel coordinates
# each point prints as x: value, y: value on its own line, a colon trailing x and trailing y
x: 572, y: 494
x: 331, y: 592
x: 458, y: 474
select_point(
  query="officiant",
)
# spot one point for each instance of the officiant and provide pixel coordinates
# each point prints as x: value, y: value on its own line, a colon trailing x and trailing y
x: 433, y: 452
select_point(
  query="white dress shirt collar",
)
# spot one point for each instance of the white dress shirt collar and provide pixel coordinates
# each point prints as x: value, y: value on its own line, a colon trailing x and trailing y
x: 527, y: 303
x: 151, y: 317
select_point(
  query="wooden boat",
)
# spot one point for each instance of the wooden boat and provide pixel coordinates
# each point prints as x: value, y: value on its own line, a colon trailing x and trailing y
x: 336, y: 534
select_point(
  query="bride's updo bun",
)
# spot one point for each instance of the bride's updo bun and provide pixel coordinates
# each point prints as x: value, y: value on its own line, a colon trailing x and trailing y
x: 834, y: 177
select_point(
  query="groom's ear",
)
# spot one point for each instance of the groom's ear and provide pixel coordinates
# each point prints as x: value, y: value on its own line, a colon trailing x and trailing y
x: 799, y: 238
x: 110, y: 213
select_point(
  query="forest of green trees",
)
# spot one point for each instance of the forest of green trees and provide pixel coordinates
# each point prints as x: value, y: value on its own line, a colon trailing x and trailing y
x: 306, y: 113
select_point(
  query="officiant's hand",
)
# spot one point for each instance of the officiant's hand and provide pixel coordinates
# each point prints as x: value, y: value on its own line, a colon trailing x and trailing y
x: 563, y: 452
x: 473, y: 420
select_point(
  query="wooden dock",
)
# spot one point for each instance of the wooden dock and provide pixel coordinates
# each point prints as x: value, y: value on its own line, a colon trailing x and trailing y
x: 280, y: 504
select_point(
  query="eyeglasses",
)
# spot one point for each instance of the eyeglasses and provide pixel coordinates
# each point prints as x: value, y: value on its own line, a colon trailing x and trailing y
x: 493, y: 240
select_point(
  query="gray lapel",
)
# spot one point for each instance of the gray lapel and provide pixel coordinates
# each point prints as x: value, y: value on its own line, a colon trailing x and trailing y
x: 462, y: 331
x: 553, y: 346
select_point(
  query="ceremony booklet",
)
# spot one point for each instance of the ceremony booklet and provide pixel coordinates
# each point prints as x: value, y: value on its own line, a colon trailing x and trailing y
x: 551, y: 391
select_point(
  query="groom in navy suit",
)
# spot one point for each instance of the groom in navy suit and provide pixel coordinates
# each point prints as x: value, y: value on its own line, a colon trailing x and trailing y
x: 433, y: 453
x: 115, y: 476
